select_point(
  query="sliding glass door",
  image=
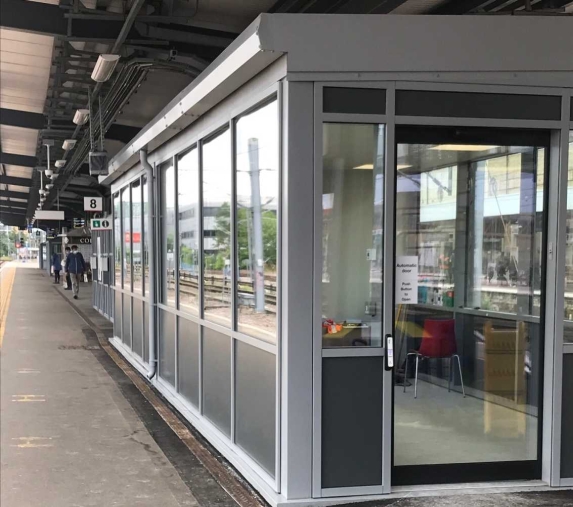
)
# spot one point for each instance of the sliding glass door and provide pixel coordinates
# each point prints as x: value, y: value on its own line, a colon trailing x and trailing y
x: 470, y: 233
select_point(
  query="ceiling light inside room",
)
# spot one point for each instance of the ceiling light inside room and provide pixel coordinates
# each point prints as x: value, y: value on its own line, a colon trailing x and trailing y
x: 59, y: 163
x: 371, y: 166
x: 104, y: 67
x: 81, y: 116
x: 463, y: 147
x: 69, y: 144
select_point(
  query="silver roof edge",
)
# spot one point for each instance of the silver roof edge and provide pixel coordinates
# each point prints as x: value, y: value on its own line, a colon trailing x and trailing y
x: 238, y: 63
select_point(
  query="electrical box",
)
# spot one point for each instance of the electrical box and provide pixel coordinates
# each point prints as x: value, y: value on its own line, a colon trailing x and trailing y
x: 98, y: 163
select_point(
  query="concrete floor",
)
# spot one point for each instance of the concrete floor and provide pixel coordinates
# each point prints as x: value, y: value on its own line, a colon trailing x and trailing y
x: 76, y: 432
x: 69, y: 436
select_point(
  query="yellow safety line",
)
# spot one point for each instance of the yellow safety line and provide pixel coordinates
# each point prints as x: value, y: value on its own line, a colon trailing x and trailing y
x: 5, y: 294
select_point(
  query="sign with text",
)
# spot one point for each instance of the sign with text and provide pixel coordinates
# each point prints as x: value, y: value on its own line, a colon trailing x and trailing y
x: 93, y: 203
x: 100, y: 224
x: 406, y: 280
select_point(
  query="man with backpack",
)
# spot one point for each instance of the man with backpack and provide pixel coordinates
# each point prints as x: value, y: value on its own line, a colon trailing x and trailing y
x: 75, y: 267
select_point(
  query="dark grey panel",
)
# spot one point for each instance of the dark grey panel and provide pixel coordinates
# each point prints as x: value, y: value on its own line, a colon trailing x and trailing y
x: 188, y: 357
x: 167, y: 346
x: 477, y: 105
x: 145, y: 332
x: 352, y: 421
x: 126, y: 319
x: 137, y: 330
x: 571, y: 112
x: 567, y: 418
x: 255, y: 404
x: 117, y: 312
x: 217, y: 379
x: 354, y: 100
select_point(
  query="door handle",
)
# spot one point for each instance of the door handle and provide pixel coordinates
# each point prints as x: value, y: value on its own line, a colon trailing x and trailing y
x: 389, y: 355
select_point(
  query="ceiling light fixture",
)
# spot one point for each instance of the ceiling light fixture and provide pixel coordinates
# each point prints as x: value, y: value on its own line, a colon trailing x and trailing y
x: 48, y: 173
x: 59, y: 164
x: 41, y: 191
x: 69, y: 144
x: 463, y: 147
x: 104, y: 67
x: 371, y: 166
x: 81, y: 116
x: 49, y: 186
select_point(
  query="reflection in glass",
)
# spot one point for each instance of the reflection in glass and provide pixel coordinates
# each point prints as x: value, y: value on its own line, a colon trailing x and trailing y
x: 352, y: 235
x: 167, y: 277
x: 471, y: 218
x: 117, y: 239
x: 188, y: 216
x: 136, y: 235
x: 217, y: 290
x: 256, y: 219
x: 125, y: 209
x: 568, y: 331
x: 145, y: 236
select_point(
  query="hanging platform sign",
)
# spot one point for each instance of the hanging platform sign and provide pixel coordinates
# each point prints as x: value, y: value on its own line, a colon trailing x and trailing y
x: 406, y: 280
x: 93, y: 203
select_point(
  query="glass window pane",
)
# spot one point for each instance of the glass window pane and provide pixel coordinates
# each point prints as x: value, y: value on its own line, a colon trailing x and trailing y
x: 568, y: 332
x: 217, y: 229
x: 352, y: 213
x: 468, y: 344
x: 136, y: 235
x: 145, y: 236
x: 125, y: 209
x: 117, y: 239
x: 167, y: 276
x: 256, y: 216
x: 188, y: 216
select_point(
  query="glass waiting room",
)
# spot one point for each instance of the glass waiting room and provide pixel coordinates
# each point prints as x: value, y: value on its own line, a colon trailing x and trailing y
x: 354, y: 275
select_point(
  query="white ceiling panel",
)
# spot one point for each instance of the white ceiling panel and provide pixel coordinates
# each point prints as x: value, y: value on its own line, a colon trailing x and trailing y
x: 17, y: 188
x: 18, y: 140
x: 11, y: 199
x: 18, y: 171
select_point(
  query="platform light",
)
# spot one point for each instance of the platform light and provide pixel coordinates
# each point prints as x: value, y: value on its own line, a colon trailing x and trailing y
x: 59, y: 164
x: 49, y: 173
x: 53, y: 177
x: 69, y: 144
x: 81, y: 116
x: 104, y: 67
x: 41, y: 191
x: 49, y: 186
x: 371, y: 166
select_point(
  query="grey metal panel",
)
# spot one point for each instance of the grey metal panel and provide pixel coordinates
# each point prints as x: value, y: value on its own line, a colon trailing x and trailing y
x: 354, y: 100
x: 145, y: 332
x: 477, y: 105
x: 217, y: 379
x: 567, y: 418
x: 126, y: 320
x: 167, y: 346
x: 352, y: 421
x: 188, y: 357
x: 137, y: 330
x: 255, y: 404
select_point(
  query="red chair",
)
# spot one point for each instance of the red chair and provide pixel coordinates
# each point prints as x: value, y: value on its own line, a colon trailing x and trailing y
x: 438, y: 342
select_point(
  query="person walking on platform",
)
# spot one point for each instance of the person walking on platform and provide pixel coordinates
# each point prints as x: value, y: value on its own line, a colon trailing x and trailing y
x: 68, y: 277
x: 76, y: 267
x: 56, y: 266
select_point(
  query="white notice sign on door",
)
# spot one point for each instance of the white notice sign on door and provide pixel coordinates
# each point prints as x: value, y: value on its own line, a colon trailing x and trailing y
x: 406, y: 280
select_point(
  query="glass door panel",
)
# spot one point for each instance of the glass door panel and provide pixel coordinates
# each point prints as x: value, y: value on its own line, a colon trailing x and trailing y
x: 469, y: 293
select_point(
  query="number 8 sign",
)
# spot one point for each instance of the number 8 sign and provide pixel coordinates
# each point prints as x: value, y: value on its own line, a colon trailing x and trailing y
x: 93, y: 203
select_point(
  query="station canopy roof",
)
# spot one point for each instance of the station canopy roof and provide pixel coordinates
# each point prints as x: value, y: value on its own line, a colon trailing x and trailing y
x: 48, y: 49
